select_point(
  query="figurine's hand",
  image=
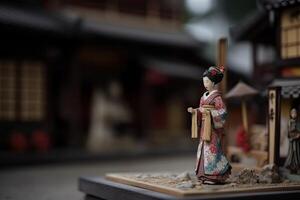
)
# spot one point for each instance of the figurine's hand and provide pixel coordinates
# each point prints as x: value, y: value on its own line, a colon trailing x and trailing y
x: 190, y: 110
x: 201, y: 109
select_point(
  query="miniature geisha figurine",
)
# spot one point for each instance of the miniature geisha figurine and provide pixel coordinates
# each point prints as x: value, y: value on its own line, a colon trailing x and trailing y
x: 293, y: 158
x: 212, y: 167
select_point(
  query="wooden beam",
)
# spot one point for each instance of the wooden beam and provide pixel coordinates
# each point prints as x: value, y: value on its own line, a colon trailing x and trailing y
x: 274, y: 116
x: 245, y: 117
x: 221, y: 61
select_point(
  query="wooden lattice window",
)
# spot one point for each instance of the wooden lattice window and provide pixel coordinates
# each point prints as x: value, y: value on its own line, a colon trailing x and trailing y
x: 290, y: 33
x: 22, y: 91
x: 7, y: 90
x: 32, y: 91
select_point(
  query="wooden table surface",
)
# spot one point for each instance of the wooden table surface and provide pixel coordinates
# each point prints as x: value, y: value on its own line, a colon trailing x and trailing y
x: 100, y: 188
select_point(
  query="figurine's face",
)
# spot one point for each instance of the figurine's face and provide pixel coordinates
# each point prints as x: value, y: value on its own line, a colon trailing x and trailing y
x: 208, y: 84
x: 294, y: 113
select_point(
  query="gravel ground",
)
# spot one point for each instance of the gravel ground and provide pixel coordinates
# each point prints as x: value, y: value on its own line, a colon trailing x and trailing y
x: 59, y: 181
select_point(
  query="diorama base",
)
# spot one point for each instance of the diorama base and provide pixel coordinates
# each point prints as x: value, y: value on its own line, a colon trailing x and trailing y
x: 293, y: 177
x: 146, y: 186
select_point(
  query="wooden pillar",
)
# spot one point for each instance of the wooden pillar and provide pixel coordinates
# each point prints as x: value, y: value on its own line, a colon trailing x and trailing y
x: 245, y: 116
x: 274, y: 116
x: 254, y: 59
x: 221, y: 61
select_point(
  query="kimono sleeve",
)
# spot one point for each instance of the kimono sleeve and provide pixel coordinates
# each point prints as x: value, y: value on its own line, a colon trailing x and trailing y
x: 219, y: 113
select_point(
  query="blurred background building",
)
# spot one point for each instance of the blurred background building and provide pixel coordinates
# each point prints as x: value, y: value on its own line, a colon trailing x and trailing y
x: 79, y: 79
x: 109, y: 81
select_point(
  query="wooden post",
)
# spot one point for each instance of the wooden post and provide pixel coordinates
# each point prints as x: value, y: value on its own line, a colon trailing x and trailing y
x: 244, y: 116
x: 255, y: 61
x: 274, y: 115
x: 221, y: 61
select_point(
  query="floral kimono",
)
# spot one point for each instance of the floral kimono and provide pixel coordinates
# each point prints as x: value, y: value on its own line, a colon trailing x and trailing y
x: 212, y: 164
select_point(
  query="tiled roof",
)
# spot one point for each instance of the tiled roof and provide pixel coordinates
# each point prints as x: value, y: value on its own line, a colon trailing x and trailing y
x: 275, y: 4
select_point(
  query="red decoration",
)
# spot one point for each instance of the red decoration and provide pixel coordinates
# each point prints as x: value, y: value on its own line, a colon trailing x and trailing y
x: 242, y: 140
x: 41, y: 140
x: 222, y: 69
x: 18, y: 141
x: 154, y: 77
x: 213, y: 72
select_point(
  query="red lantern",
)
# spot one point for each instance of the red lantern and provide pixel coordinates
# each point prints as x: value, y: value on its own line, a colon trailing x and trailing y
x: 18, y: 141
x: 40, y: 140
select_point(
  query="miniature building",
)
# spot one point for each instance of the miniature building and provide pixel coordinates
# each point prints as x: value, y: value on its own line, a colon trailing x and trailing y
x: 287, y: 19
x: 283, y: 71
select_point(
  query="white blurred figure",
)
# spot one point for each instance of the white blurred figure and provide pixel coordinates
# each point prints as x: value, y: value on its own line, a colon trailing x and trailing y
x: 108, y: 112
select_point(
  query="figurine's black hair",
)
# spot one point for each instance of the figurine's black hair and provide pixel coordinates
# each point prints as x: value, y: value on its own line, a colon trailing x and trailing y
x: 214, y: 74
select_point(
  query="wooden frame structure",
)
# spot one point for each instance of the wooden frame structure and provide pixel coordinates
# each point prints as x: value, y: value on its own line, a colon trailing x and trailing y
x: 274, y: 114
x: 275, y: 25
